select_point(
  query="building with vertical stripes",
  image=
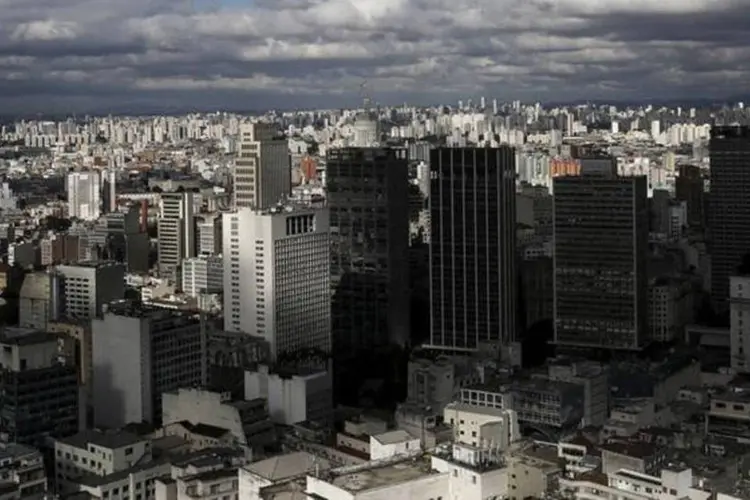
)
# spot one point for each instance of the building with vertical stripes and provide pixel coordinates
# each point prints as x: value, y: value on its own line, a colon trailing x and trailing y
x: 600, y: 257
x: 473, y: 248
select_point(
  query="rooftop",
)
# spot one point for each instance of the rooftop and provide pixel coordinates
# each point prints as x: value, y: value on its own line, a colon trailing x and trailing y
x: 393, y: 437
x: 287, y: 466
x: 635, y: 450
x: 25, y: 336
x: 212, y: 475
x: 376, y: 477
x: 15, y: 450
x: 109, y: 440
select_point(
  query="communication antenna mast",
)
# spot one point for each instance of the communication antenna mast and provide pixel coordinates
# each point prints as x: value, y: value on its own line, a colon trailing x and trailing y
x: 365, y: 94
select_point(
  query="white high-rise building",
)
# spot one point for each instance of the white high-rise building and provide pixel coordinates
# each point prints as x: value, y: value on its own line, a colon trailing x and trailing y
x: 277, y: 277
x: 84, y: 195
x: 203, y: 274
x: 262, y: 172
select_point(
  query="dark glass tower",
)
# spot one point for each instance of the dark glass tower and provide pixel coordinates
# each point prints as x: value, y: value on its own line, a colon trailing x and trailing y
x: 473, y: 247
x: 689, y: 188
x: 729, y: 207
x: 39, y: 396
x: 369, y: 217
x: 601, y: 244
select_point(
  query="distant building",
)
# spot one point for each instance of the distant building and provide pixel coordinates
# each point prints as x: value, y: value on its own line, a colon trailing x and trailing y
x: 204, y: 274
x: 38, y: 394
x: 176, y: 231
x: 109, y: 191
x: 140, y: 352
x: 84, y: 190
x: 209, y: 227
x: 689, y: 187
x: 262, y: 172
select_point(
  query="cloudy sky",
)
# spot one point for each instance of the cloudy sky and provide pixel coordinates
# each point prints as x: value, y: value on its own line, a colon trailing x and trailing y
x: 81, y: 55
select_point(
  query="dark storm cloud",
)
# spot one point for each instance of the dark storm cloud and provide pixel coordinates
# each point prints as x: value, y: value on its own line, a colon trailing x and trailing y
x: 145, y: 52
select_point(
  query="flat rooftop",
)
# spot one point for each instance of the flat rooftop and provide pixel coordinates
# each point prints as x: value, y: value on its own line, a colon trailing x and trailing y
x: 288, y: 466
x: 393, y: 437
x: 25, y: 336
x: 377, y: 477
x: 109, y: 440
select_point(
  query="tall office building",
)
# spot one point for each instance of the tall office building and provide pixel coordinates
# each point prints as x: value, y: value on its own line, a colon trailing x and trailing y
x: 176, y: 231
x: 368, y: 199
x: 601, y: 245
x: 473, y: 247
x: 109, y: 191
x: 39, y: 396
x: 84, y: 195
x: 689, y: 188
x: 139, y: 353
x: 262, y: 172
x: 729, y: 207
x: 277, y: 277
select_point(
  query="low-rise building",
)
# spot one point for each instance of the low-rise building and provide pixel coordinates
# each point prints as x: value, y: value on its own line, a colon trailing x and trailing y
x: 96, y: 453
x: 625, y: 484
x: 256, y: 477
x: 22, y: 474
x: 476, y: 425
x: 247, y: 421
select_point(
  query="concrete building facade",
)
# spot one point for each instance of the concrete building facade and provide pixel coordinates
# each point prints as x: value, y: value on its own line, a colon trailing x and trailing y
x: 262, y: 172
x: 140, y: 352
x: 277, y: 277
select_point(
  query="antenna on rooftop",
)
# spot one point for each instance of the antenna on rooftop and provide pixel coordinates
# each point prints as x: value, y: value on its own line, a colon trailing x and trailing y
x: 364, y: 92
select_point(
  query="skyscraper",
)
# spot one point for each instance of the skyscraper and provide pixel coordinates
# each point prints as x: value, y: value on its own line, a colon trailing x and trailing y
x: 689, y: 188
x: 84, y: 195
x: 473, y: 247
x: 277, y: 277
x: 601, y: 243
x: 262, y: 172
x: 368, y: 201
x: 729, y: 207
x: 176, y: 231
x: 109, y: 191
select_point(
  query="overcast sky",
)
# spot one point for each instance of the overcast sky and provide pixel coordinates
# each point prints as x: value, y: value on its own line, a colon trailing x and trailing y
x: 82, y: 55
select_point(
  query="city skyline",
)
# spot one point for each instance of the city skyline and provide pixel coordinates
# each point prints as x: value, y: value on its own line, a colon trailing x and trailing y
x: 149, y: 55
